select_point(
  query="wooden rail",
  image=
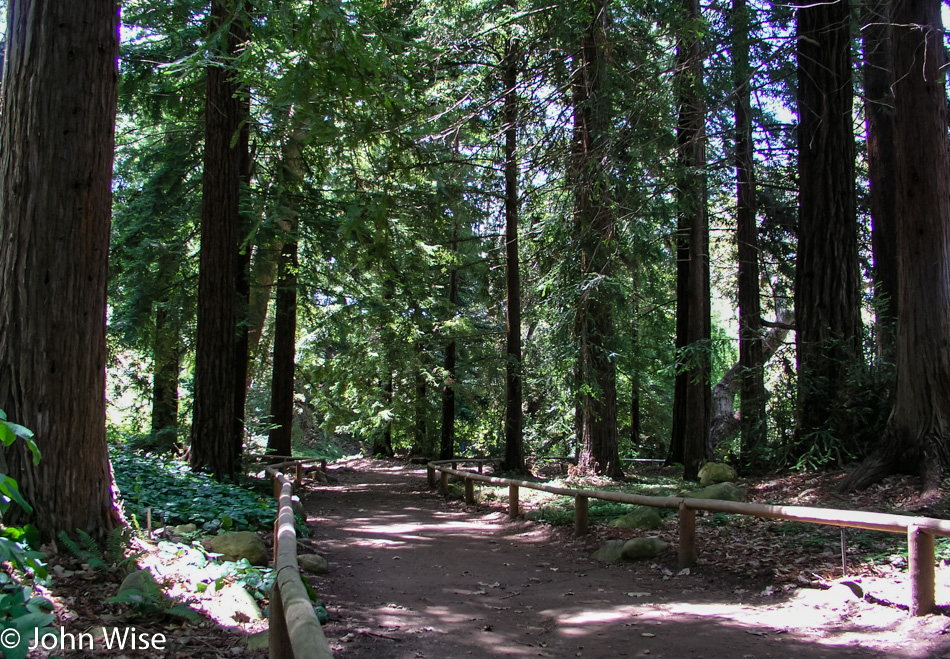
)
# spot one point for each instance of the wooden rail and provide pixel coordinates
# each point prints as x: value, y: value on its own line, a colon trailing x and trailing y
x: 295, y: 631
x: 921, y: 531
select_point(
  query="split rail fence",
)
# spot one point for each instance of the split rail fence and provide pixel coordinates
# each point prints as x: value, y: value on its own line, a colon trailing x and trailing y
x: 921, y: 531
x: 295, y: 631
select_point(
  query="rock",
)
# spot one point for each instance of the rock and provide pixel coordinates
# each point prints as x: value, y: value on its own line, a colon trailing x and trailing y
x: 716, y: 472
x: 610, y: 552
x: 137, y: 585
x: 314, y: 563
x: 259, y: 641
x: 320, y: 476
x: 641, y: 548
x: 239, y: 603
x: 722, y: 491
x: 297, y: 507
x: 641, y: 517
x: 184, y: 529
x: 240, y: 544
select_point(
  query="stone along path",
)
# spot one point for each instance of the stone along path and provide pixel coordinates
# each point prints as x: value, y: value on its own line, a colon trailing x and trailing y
x: 413, y: 575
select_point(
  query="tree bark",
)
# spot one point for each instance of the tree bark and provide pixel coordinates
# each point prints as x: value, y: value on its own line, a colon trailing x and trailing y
x: 166, y: 366
x: 751, y: 358
x: 58, y: 136
x: 692, y: 388
x: 879, y: 121
x: 215, y: 413
x: 280, y: 439
x: 917, y: 436
x: 590, y: 153
x: 514, y: 415
x: 827, y: 281
x: 447, y: 444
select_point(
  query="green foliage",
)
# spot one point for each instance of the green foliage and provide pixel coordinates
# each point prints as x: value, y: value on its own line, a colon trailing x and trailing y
x: 201, y: 571
x: 177, y: 495
x: 115, y: 558
x: 19, y: 609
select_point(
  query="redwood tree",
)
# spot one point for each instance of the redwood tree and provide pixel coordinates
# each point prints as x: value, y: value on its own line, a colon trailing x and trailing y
x: 215, y: 415
x: 917, y: 437
x: 692, y: 402
x: 827, y: 278
x: 58, y: 136
x: 596, y: 228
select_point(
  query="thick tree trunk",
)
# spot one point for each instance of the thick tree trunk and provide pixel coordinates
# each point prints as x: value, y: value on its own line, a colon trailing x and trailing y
x: 693, y: 412
x: 879, y: 118
x: 383, y: 442
x: 215, y: 413
x: 917, y: 437
x: 751, y: 358
x: 827, y: 281
x: 166, y: 365
x: 58, y: 137
x: 596, y: 227
x: 280, y: 440
x: 514, y: 416
x: 420, y: 434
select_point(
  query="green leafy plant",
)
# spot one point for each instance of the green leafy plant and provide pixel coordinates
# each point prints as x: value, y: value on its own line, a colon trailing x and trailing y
x: 177, y: 495
x: 115, y: 558
x: 20, y: 610
x: 151, y: 601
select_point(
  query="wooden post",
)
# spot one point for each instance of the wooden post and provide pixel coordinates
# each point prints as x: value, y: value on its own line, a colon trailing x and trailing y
x: 687, y: 536
x: 277, y: 486
x: 580, y: 515
x: 920, y: 551
x: 279, y: 636
x: 298, y: 475
x: 276, y: 538
x: 470, y: 491
x: 323, y: 465
x: 430, y: 476
x: 455, y: 465
x: 444, y: 483
x: 480, y: 466
x: 513, y: 501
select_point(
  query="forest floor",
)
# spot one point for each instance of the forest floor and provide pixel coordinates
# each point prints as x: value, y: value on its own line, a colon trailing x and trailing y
x: 417, y: 575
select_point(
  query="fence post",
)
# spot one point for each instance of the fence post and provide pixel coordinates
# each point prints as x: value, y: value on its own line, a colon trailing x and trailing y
x: 687, y: 549
x: 279, y: 636
x: 920, y: 551
x: 277, y: 486
x: 298, y: 475
x: 512, y: 501
x: 580, y: 515
x: 469, y: 491
x: 443, y: 483
x: 430, y: 476
x: 480, y: 466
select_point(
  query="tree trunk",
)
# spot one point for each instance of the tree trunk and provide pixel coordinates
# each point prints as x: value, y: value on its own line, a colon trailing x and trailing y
x: 693, y: 412
x: 166, y: 365
x: 447, y: 445
x: 215, y: 413
x: 751, y: 358
x: 725, y: 422
x: 280, y: 440
x: 58, y: 136
x: 597, y: 231
x: 383, y: 442
x: 827, y: 293
x: 879, y: 119
x: 420, y: 435
x: 514, y: 416
x: 917, y: 437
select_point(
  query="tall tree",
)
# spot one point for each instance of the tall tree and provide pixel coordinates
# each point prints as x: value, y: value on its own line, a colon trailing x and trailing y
x: 751, y: 355
x: 692, y: 402
x: 514, y: 416
x: 215, y: 414
x: 917, y: 437
x: 878, y: 73
x: 58, y: 136
x: 596, y: 228
x: 447, y: 443
x: 827, y: 278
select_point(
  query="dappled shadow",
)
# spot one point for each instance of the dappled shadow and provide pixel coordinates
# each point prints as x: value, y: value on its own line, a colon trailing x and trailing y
x: 414, y: 576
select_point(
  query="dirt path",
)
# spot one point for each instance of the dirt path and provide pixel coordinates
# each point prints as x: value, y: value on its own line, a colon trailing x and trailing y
x: 415, y: 576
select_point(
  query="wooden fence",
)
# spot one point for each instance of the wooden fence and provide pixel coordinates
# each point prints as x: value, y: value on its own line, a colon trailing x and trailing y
x: 921, y: 531
x: 295, y: 631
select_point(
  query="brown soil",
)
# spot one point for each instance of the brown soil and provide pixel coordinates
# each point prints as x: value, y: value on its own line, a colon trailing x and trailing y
x: 414, y: 575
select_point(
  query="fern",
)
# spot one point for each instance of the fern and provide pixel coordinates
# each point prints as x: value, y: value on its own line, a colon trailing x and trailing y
x: 88, y: 551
